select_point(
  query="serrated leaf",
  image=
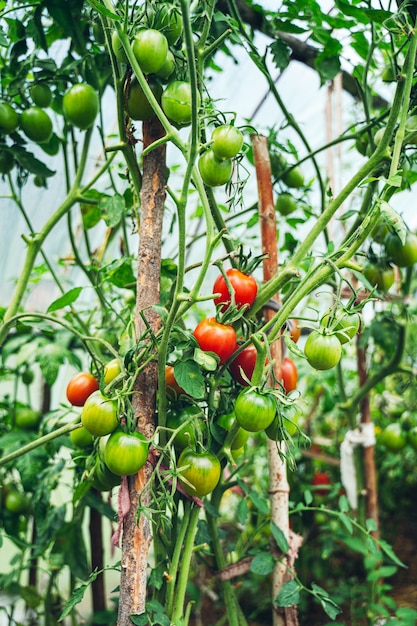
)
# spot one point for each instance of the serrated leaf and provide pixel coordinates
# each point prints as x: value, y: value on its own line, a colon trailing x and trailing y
x: 98, y: 6
x: 31, y: 163
x: 280, y: 538
x: 289, y: 594
x: 390, y: 553
x: 263, y: 564
x: 112, y: 208
x: 65, y: 300
x: 260, y: 503
x: 394, y: 220
x: 206, y: 360
x: 280, y: 54
x: 189, y: 377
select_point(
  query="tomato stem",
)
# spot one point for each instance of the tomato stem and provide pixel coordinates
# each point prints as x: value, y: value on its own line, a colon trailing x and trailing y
x: 186, y: 555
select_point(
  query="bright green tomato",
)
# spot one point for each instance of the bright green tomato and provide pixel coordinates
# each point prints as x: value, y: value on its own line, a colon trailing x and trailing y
x: 80, y: 105
x: 199, y: 472
x: 322, y: 350
x: 402, y: 254
x: 41, y: 95
x: 36, y: 124
x: 240, y: 439
x: 9, y: 119
x: 280, y: 426
x: 380, y: 276
x: 255, y: 410
x: 191, y: 417
x: 380, y: 232
x: 137, y: 104
x: 81, y: 438
x: 226, y: 141
x: 7, y: 161
x: 168, y: 67
x: 102, y: 478
x: 99, y: 415
x: 16, y: 502
x: 117, y: 47
x: 27, y: 418
x: 294, y: 178
x: 214, y: 172
x: 112, y: 369
x: 150, y: 48
x: 125, y: 453
x: 285, y: 204
x: 344, y: 324
x: 176, y: 102
x: 393, y: 437
x: 168, y: 20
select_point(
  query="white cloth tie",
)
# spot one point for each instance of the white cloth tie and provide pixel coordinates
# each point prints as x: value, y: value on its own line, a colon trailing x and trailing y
x: 362, y: 435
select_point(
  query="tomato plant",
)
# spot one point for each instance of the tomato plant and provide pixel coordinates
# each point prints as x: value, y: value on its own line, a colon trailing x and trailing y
x: 36, y: 124
x: 199, y: 471
x: 244, y: 291
x: 176, y: 102
x: 401, y: 254
x: 112, y: 370
x: 80, y: 105
x: 255, y: 410
x: 99, y: 415
x: 214, y: 171
x: 27, y: 418
x: 137, y: 104
x: 322, y: 350
x: 226, y: 141
x: 243, y: 365
x: 150, y: 48
x: 9, y: 119
x: 81, y: 438
x: 189, y: 421
x: 41, y: 95
x: 80, y: 387
x: 289, y: 374
x: 172, y: 387
x: 285, y: 204
x: 393, y: 437
x: 212, y: 336
x: 344, y: 324
x: 125, y: 453
x: 379, y: 275
x: 241, y: 437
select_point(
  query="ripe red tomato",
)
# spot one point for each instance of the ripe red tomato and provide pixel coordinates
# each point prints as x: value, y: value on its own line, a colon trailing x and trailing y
x: 125, y: 453
x: 214, y: 337
x: 199, y: 472
x: 36, y: 124
x: 214, y: 171
x: 150, y: 48
x: 226, y: 141
x: 172, y: 387
x: 289, y: 374
x: 295, y: 330
x: 99, y: 415
x: 80, y: 105
x: 255, y: 410
x: 244, y: 286
x: 323, y: 351
x: 80, y: 387
x: 321, y: 483
x: 137, y: 104
x: 176, y: 102
x: 244, y: 363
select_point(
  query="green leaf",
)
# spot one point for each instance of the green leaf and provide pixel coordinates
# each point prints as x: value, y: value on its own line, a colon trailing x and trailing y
x: 289, y: 594
x: 260, y: 503
x: 394, y: 220
x: 382, y: 572
x: 308, y: 497
x: 343, y: 504
x: 30, y: 163
x: 120, y: 273
x: 112, y: 208
x: 385, y: 547
x: 371, y: 525
x: 327, y: 66
x: 65, y: 300
x: 347, y: 522
x: 330, y: 607
x: 206, y: 360
x: 77, y: 596
x: 280, y: 538
x: 280, y: 54
x: 98, y: 6
x: 189, y: 377
x: 242, y: 511
x: 263, y: 564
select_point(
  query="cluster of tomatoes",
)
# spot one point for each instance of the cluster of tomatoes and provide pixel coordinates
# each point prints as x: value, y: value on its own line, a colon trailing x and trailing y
x: 80, y: 106
x: 118, y: 452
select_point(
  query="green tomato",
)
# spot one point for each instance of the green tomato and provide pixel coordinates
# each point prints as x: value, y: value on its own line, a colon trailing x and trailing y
x: 240, y: 439
x: 137, y: 104
x: 168, y: 67
x: 80, y: 104
x: 412, y: 437
x: 36, y: 124
x: 393, y: 437
x: 150, y: 48
x: 41, y: 95
x: 112, y: 369
x: 188, y: 419
x: 16, y: 502
x: 176, y: 102
x: 81, y: 438
x: 199, y: 472
x: 27, y: 418
x: 255, y: 410
x: 285, y: 204
x: 168, y: 20
x: 402, y: 254
x: 117, y: 47
x: 344, y: 324
x: 7, y: 161
x: 125, y: 453
x: 294, y: 178
x: 226, y: 141
x: 281, y: 426
x: 322, y: 350
x: 9, y: 119
x: 214, y: 172
x: 99, y: 415
x: 102, y: 478
x: 378, y: 275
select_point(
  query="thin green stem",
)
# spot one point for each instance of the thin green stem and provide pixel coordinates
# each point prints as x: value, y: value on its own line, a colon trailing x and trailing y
x: 176, y: 557
x: 178, y: 609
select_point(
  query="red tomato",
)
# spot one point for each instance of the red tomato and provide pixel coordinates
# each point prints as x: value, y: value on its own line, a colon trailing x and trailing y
x: 215, y: 337
x: 172, y: 387
x: 321, y: 481
x: 244, y: 363
x: 81, y: 387
x: 245, y: 289
x: 289, y: 374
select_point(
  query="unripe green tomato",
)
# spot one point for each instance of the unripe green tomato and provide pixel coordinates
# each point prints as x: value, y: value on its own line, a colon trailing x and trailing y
x: 80, y: 105
x: 99, y: 415
x: 125, y: 453
x: 36, y: 124
x: 176, y: 102
x: 393, y: 437
x: 16, y: 502
x: 137, y: 104
x: 150, y: 48
x: 7, y: 162
x: 402, y: 254
x: 294, y: 178
x: 112, y: 369
x: 168, y: 67
x: 27, y: 418
x: 214, y: 172
x: 117, y: 47
x: 81, y: 438
x: 285, y: 204
x: 9, y: 118
x: 226, y: 141
x: 41, y: 95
